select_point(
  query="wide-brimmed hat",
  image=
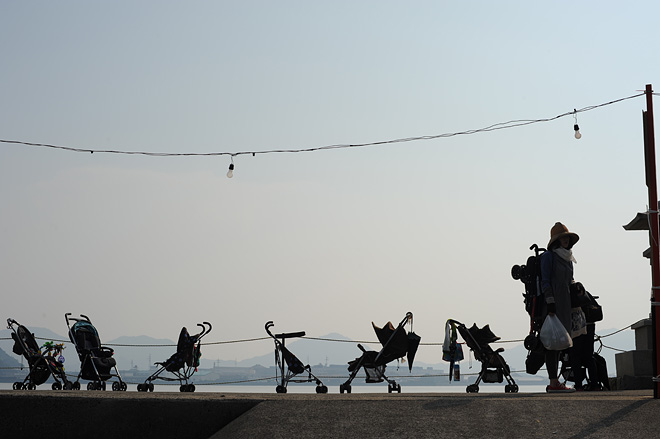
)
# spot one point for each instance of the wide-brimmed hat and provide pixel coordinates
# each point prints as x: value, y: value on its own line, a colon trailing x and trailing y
x: 559, y: 230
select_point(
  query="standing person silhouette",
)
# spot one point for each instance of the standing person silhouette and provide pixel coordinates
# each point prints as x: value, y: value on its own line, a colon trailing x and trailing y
x: 556, y: 279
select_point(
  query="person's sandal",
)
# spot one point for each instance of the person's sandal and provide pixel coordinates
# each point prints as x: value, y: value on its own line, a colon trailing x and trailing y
x: 561, y: 388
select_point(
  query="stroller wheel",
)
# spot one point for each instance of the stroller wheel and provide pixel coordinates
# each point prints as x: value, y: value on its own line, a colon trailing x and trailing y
x: 321, y: 389
x: 32, y: 386
x: 68, y: 385
x: 76, y: 385
x: 91, y: 385
x: 17, y: 385
x: 151, y: 387
x: 56, y: 386
x: 140, y: 388
x: 280, y: 389
x: 472, y: 388
x: 115, y: 386
x: 123, y: 386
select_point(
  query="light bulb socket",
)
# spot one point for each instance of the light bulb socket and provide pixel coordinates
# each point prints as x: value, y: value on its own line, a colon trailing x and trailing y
x: 231, y: 165
x: 576, y: 127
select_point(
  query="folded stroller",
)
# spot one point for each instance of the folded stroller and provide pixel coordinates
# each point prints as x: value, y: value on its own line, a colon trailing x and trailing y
x: 96, y: 362
x: 287, y: 365
x: 493, y: 367
x: 42, y: 365
x: 182, y: 364
x: 397, y: 343
x: 530, y: 275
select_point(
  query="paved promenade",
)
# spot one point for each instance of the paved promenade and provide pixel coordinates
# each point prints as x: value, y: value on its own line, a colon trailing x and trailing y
x: 618, y: 414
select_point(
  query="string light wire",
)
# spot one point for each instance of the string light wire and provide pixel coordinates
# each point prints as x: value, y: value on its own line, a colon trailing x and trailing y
x: 494, y: 127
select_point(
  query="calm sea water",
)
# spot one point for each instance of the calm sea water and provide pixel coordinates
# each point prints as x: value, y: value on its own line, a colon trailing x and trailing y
x: 311, y: 388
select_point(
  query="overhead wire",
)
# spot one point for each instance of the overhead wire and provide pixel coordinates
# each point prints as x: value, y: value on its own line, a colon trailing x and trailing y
x: 247, y: 340
x: 493, y: 127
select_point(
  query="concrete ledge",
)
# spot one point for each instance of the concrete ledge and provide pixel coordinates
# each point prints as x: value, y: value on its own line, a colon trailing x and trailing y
x: 123, y: 415
x: 118, y: 415
x: 629, y: 382
x: 634, y: 363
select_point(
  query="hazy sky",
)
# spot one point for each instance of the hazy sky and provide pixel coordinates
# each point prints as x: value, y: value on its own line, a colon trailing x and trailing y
x: 322, y: 241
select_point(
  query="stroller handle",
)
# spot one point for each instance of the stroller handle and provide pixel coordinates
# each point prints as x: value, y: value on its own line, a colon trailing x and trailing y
x: 283, y: 335
x: 269, y: 324
x: 204, y: 330
x: 84, y: 318
x: 407, y: 318
x: 10, y: 322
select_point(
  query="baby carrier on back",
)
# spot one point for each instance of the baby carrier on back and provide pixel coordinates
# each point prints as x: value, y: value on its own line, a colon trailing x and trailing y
x: 530, y: 275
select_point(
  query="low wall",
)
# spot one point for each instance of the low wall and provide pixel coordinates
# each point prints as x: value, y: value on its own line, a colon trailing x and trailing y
x: 117, y: 415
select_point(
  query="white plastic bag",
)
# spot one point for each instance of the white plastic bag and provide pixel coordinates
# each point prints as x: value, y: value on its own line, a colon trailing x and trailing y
x: 553, y: 334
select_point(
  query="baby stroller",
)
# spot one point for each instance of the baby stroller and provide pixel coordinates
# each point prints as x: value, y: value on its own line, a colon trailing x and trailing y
x: 96, y: 362
x: 42, y: 364
x: 284, y: 359
x: 182, y: 364
x: 493, y: 367
x: 599, y: 382
x: 396, y: 344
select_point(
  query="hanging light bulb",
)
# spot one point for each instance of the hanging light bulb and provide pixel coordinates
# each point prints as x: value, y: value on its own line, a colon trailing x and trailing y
x: 577, y: 131
x: 230, y: 173
x: 576, y: 127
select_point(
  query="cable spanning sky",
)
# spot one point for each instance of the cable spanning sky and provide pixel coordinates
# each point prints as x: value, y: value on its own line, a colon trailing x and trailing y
x: 325, y: 242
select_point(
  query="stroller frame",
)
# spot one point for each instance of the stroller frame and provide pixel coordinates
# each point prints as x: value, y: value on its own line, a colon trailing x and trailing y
x: 87, y: 357
x: 39, y: 363
x: 189, y: 364
x: 493, y: 367
x: 287, y: 365
x: 374, y: 370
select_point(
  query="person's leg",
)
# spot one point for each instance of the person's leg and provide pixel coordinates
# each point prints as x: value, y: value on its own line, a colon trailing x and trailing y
x: 552, y: 366
x: 590, y: 361
x: 577, y: 355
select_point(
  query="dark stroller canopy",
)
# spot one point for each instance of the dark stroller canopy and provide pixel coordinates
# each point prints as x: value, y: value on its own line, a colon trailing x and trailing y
x: 184, y: 352
x: 396, y: 343
x: 483, y: 336
x: 28, y: 341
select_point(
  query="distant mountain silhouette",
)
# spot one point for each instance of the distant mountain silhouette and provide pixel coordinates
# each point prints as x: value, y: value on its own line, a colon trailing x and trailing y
x: 141, y: 350
x: 9, y: 359
x: 314, y: 352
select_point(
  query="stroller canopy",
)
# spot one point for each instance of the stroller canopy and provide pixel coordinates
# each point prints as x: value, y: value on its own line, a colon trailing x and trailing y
x: 85, y: 337
x: 396, y: 343
x: 25, y: 343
